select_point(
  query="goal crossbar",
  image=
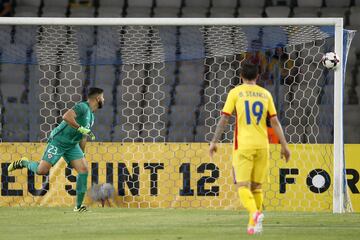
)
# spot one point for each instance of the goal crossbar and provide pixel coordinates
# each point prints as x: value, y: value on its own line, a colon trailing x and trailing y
x: 171, y: 21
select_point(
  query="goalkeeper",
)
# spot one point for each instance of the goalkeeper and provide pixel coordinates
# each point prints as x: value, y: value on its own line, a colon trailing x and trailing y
x: 68, y: 140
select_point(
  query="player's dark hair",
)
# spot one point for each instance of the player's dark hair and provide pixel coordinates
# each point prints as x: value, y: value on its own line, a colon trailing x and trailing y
x: 93, y: 92
x: 249, y: 70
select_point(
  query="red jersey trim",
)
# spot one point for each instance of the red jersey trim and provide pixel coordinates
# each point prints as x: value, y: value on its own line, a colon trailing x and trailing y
x: 236, y: 131
x: 225, y: 113
x: 274, y: 115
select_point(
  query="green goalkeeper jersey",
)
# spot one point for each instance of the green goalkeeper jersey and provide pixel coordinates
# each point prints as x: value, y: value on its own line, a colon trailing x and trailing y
x: 68, y: 136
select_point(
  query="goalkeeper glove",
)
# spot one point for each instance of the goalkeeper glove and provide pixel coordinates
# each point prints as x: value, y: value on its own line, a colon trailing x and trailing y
x: 87, y: 132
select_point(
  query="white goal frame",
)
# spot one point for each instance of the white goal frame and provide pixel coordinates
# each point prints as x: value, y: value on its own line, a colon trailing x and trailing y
x: 339, y: 178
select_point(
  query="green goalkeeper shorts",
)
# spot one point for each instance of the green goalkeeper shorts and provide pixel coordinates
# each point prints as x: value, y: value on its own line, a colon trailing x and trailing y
x: 54, y: 151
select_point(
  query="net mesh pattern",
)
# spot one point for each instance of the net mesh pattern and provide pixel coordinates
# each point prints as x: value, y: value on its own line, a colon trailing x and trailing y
x: 164, y: 89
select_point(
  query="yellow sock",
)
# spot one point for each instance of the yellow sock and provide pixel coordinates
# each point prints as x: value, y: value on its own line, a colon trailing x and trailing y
x: 247, y: 200
x: 259, y: 198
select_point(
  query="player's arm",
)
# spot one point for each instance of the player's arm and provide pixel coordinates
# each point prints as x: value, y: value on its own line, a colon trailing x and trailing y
x: 218, y: 133
x: 70, y: 118
x: 275, y: 124
x: 225, y: 115
x: 220, y: 128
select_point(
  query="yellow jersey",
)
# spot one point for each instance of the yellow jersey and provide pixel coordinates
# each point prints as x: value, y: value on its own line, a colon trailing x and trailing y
x: 252, y: 104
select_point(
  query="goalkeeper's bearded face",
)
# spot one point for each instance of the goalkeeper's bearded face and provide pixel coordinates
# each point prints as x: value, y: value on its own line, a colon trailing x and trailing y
x: 100, y: 101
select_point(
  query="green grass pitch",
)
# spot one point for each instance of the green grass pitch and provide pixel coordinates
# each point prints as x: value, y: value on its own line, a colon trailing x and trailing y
x: 157, y: 224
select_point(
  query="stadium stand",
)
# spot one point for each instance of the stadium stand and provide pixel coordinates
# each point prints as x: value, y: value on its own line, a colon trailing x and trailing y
x: 27, y: 8
x: 307, y: 8
x: 165, y: 8
x: 183, y: 90
x: 226, y: 8
x: 55, y: 8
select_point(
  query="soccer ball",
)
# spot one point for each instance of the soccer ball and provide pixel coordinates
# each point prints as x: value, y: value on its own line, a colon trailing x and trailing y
x: 330, y: 60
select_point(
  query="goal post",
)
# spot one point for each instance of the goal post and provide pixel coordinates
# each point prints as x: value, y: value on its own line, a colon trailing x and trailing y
x: 149, y: 59
x: 339, y: 83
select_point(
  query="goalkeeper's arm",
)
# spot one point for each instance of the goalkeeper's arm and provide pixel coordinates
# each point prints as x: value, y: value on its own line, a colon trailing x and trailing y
x: 69, y: 118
